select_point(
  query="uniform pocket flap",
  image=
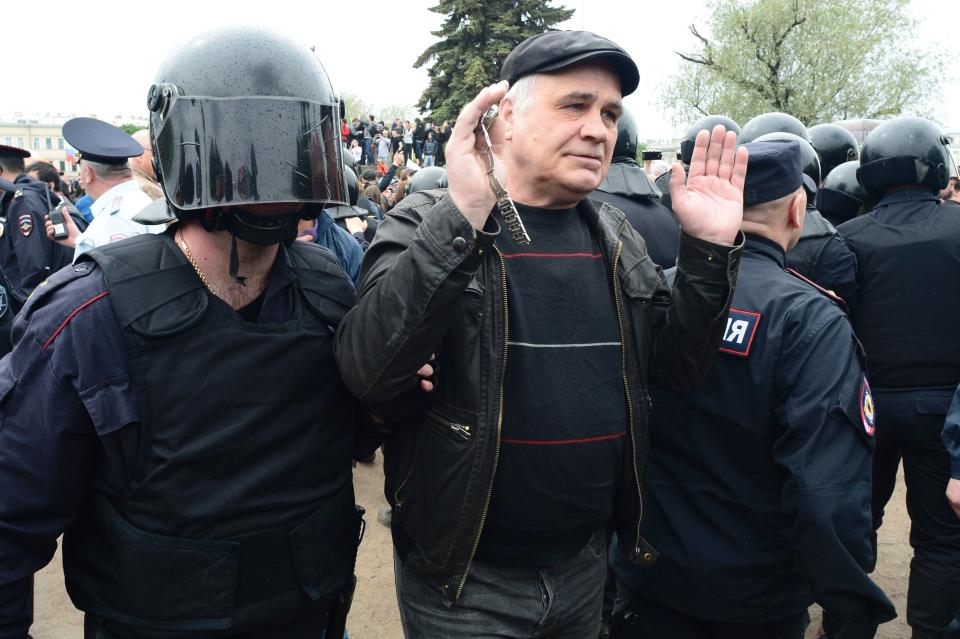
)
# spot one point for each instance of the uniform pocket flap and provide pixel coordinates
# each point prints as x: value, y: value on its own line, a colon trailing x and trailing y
x: 324, y: 546
x: 153, y: 581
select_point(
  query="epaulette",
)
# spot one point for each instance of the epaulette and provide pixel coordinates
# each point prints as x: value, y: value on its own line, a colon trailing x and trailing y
x: 42, y: 292
x: 833, y: 296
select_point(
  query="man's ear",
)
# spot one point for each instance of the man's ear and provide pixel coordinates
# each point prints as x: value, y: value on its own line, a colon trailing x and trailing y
x: 798, y: 209
x: 505, y: 118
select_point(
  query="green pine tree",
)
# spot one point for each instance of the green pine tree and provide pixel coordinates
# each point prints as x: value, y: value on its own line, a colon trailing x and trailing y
x: 475, y: 39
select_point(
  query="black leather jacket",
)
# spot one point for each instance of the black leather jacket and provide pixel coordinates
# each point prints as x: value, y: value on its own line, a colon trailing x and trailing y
x: 431, y: 284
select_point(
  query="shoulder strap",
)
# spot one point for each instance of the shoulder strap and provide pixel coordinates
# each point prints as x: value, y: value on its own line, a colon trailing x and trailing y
x: 326, y: 289
x: 833, y: 296
x: 154, y: 291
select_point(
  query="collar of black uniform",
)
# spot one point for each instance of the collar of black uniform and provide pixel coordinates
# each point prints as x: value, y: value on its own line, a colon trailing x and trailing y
x: 767, y: 247
x: 907, y: 195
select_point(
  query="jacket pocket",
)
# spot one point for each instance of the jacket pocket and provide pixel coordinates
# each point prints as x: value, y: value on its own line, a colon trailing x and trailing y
x: 432, y: 499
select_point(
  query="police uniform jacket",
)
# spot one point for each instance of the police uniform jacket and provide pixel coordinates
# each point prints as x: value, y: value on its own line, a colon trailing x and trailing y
x: 113, y: 214
x: 27, y: 255
x: 128, y: 469
x: 908, y: 271
x: 758, y: 491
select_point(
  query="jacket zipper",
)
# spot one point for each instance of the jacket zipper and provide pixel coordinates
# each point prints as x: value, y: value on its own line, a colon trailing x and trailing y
x: 626, y: 388
x: 496, y: 458
x: 460, y: 430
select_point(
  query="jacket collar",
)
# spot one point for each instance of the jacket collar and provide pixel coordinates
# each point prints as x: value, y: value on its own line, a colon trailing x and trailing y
x: 906, y: 195
x: 759, y: 245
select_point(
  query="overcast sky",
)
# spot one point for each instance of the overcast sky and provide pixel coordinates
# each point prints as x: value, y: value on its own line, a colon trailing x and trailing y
x: 111, y: 49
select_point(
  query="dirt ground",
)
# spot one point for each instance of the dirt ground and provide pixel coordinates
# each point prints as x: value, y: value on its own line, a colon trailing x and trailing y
x: 374, y: 614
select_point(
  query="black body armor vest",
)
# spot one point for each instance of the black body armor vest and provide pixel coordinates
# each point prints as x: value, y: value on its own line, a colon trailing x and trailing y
x: 240, y: 513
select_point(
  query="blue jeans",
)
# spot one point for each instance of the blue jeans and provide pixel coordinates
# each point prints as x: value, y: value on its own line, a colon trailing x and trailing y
x: 561, y: 602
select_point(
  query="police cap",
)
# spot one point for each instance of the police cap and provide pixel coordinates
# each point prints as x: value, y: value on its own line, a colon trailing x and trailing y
x: 773, y: 171
x: 556, y: 50
x: 97, y: 141
x: 13, y: 152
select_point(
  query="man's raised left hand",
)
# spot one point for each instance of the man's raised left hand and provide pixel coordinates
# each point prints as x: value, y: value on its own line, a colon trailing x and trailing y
x: 709, y: 202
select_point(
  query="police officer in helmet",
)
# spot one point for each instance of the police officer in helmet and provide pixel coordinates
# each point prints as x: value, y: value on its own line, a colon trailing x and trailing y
x: 187, y: 428
x: 908, y: 255
x: 628, y: 188
x: 834, y: 144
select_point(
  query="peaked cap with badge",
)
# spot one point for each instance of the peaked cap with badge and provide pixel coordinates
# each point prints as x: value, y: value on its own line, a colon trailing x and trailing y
x: 97, y: 141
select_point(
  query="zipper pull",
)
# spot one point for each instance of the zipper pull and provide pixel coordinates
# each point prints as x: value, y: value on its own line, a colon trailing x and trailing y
x: 461, y: 430
x: 644, y: 553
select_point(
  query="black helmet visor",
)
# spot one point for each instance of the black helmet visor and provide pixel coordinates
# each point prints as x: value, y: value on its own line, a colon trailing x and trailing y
x: 216, y: 152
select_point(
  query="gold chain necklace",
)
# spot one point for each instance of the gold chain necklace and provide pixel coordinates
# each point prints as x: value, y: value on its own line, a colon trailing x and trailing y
x: 186, y: 251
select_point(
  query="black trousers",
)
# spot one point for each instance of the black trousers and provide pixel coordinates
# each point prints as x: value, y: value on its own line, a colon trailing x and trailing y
x: 644, y: 619
x: 909, y: 424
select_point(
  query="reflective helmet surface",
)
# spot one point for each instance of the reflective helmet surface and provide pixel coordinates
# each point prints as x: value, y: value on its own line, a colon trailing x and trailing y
x: 770, y: 123
x: 246, y: 116
x: 834, y: 144
x: 627, y: 137
x: 904, y: 151
x: 842, y: 197
x: 348, y: 158
x: 432, y: 177
x: 352, y: 184
x: 809, y: 161
x: 690, y: 139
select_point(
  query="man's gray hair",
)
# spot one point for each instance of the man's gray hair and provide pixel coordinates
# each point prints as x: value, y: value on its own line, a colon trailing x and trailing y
x: 109, y: 172
x: 521, y: 92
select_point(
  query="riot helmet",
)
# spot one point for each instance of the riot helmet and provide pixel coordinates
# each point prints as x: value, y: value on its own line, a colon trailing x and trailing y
x: 690, y: 139
x: 842, y: 197
x: 351, y: 209
x: 809, y: 161
x: 432, y: 177
x: 904, y: 151
x: 834, y: 144
x: 770, y: 123
x: 627, y: 137
x: 241, y: 117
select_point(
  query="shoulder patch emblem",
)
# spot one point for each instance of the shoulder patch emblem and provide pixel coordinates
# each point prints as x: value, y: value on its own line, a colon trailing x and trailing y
x: 868, y: 412
x: 26, y: 224
x: 3, y: 301
x: 739, y: 333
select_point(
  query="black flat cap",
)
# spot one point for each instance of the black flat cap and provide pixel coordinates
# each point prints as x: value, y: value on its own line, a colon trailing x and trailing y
x: 13, y: 152
x: 98, y: 141
x: 555, y: 50
x: 773, y: 171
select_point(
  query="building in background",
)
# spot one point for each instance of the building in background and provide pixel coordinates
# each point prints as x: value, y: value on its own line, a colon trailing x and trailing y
x: 42, y: 136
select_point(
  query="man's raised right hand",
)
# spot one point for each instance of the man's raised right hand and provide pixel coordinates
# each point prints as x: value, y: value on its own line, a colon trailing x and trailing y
x: 469, y: 187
